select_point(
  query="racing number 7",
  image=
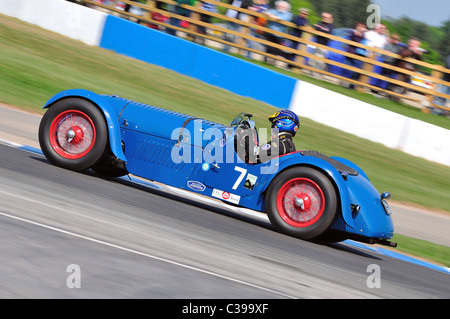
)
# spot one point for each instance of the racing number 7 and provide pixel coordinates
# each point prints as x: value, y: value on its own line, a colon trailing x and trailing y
x: 243, y: 172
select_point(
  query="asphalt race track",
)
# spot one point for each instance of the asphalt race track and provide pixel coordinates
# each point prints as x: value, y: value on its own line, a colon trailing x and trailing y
x: 132, y: 241
x: 76, y: 235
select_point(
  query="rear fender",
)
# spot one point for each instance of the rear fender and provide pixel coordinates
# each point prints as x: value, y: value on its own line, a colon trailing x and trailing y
x: 109, y: 113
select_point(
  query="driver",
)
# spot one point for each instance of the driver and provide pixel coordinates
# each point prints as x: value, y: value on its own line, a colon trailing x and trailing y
x: 285, y: 124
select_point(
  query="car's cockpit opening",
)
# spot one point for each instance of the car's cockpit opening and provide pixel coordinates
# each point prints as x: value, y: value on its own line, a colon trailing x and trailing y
x: 246, y: 141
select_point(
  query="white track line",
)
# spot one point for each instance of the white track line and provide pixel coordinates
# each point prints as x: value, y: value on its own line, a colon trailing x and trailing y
x: 101, y: 242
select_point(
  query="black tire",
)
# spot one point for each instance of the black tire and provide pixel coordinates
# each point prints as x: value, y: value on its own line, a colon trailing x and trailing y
x: 73, y: 134
x: 301, y: 202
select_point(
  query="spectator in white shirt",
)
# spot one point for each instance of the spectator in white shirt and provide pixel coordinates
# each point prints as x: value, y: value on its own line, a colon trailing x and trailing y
x: 377, y: 38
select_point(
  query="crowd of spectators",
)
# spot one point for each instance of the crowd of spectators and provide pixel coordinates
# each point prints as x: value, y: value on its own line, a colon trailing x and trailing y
x: 280, y: 11
x: 276, y: 12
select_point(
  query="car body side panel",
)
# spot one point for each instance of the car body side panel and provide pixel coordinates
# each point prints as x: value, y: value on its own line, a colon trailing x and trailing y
x: 150, y: 157
x: 164, y: 145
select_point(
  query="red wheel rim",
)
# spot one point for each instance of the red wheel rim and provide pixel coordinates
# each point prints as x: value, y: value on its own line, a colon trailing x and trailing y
x: 300, y: 202
x: 72, y: 134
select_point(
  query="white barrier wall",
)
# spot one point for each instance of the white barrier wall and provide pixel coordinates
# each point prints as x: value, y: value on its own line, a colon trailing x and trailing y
x: 371, y: 122
x: 67, y: 18
x: 307, y: 100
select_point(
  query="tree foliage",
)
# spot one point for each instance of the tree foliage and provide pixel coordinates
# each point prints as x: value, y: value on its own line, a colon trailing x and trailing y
x: 444, y: 43
x: 346, y: 13
x: 436, y: 40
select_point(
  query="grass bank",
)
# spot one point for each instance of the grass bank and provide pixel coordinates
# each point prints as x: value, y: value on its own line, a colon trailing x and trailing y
x: 427, y: 250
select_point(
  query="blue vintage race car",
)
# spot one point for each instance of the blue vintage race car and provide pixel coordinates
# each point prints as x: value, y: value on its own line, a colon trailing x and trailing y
x: 305, y: 194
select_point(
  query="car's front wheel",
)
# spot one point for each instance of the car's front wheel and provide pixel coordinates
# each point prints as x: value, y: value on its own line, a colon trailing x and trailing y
x: 301, y: 202
x: 73, y: 134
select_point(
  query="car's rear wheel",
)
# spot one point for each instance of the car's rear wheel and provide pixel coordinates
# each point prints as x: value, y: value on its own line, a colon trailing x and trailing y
x: 73, y: 134
x: 301, y: 202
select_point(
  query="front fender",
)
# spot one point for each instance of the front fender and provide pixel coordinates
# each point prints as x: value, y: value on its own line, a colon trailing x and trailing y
x: 282, y: 163
x: 352, y: 165
x: 353, y: 188
x: 109, y: 112
x: 372, y: 220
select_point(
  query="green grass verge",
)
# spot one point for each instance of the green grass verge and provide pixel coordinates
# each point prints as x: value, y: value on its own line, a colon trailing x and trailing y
x: 426, y: 250
x: 36, y: 64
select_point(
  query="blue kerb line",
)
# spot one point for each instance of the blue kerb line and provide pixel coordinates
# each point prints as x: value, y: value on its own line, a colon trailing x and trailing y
x: 397, y: 255
x: 379, y: 250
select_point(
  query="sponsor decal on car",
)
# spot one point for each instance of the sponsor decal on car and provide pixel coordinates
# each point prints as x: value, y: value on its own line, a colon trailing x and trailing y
x: 250, y: 182
x: 232, y: 198
x: 196, y: 186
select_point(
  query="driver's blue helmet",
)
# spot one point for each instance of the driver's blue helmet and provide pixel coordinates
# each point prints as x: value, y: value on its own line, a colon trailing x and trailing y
x: 285, y: 121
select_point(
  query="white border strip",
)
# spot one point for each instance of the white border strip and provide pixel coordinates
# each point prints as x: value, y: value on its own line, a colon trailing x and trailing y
x: 368, y: 121
x: 63, y: 17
